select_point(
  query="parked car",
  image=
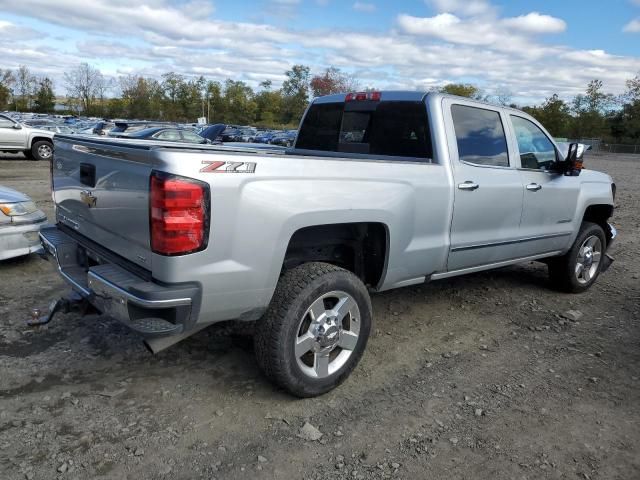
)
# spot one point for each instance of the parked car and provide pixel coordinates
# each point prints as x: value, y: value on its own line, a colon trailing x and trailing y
x: 98, y: 128
x: 58, y: 128
x: 167, y: 134
x: 426, y: 186
x: 127, y: 127
x: 229, y: 134
x: 35, y: 143
x: 264, y: 137
x: 20, y: 222
x: 285, y: 139
x: 246, y: 135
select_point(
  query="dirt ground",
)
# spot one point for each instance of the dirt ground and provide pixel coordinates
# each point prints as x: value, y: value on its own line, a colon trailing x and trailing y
x: 478, y: 377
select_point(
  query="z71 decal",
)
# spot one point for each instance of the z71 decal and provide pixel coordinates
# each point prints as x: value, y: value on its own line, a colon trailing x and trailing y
x: 227, y: 167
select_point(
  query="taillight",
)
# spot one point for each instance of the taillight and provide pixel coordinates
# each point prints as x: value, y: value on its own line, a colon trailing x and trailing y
x: 363, y: 96
x: 179, y: 214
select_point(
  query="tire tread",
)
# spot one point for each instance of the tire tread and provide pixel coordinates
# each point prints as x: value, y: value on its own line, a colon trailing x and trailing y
x: 271, y: 329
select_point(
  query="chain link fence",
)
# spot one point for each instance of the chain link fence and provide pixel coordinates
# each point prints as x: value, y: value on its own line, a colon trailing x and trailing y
x: 598, y: 146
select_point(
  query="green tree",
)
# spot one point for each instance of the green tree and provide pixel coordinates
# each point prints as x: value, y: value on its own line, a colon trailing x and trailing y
x: 7, y: 80
x: 332, y: 80
x: 132, y: 90
x: 191, y: 99
x: 589, y: 111
x: 295, y: 92
x: 554, y: 114
x: 215, y: 104
x: 463, y: 90
x: 239, y: 105
x: 45, y: 98
x: 25, y: 87
x: 268, y: 106
x: 172, y: 83
x: 625, y: 124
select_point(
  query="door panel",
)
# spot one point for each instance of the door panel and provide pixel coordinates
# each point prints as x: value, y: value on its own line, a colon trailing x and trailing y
x: 486, y: 219
x: 548, y: 212
x: 9, y: 136
x: 550, y: 199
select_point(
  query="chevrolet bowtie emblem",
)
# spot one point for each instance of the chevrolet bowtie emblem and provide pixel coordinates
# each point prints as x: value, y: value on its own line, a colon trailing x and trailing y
x: 88, y: 199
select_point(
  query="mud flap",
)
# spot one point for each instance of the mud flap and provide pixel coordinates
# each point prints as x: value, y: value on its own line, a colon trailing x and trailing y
x: 606, y: 262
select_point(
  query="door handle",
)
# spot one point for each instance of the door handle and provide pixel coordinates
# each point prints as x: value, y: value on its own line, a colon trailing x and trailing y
x: 468, y: 185
x: 533, y: 187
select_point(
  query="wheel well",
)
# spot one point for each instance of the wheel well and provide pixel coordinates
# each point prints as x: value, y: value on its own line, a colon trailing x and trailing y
x: 599, y: 214
x: 40, y: 139
x: 358, y: 247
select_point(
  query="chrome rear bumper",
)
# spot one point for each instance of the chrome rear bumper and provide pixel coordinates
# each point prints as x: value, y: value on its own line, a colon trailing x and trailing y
x: 145, y: 306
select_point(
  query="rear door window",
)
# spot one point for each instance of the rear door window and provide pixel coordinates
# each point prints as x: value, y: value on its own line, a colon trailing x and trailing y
x: 394, y: 129
x: 480, y: 136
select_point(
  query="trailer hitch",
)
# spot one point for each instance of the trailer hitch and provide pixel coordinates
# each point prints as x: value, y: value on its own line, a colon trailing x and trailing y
x: 72, y: 303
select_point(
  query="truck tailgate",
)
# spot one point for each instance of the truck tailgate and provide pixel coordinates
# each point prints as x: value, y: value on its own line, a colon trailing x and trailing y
x: 102, y: 191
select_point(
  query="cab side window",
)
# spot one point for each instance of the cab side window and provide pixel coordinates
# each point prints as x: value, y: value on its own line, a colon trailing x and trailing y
x: 480, y: 136
x: 536, y: 150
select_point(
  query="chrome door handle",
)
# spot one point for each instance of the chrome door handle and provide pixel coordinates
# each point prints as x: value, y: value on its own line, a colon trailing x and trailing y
x: 533, y: 187
x: 468, y: 185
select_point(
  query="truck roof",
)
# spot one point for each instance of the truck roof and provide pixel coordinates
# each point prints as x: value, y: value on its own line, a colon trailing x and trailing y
x: 407, y: 96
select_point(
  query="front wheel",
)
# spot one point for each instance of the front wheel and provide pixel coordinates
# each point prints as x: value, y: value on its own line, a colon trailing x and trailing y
x: 579, y: 268
x: 315, y: 330
x: 42, y: 150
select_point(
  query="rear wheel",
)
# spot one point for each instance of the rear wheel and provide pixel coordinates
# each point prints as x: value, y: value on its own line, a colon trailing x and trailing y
x: 579, y: 268
x: 42, y: 150
x: 315, y: 330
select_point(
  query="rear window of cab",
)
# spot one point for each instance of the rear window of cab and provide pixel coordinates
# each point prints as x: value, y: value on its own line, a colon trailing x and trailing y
x: 387, y: 128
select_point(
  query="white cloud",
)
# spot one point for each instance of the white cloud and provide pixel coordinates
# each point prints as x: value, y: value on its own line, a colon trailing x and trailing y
x: 464, y: 41
x: 633, y: 26
x: 364, y: 7
x: 10, y: 32
x: 536, y: 23
x: 462, y: 7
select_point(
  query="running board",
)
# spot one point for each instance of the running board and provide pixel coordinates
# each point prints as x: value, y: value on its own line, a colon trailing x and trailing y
x: 490, y: 266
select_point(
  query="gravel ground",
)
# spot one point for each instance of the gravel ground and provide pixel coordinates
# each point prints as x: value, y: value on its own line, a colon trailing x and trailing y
x: 484, y: 376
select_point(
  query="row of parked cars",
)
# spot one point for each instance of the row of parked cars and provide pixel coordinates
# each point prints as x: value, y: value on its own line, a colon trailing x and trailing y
x: 283, y: 138
x: 174, y: 132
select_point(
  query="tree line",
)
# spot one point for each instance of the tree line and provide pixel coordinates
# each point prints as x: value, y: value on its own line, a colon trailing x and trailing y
x: 175, y: 97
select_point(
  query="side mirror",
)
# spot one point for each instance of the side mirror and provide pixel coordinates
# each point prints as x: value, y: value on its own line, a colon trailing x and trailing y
x: 17, y: 126
x: 573, y: 162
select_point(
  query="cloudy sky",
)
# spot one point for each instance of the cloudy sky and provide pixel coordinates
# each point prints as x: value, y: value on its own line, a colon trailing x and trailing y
x: 531, y: 49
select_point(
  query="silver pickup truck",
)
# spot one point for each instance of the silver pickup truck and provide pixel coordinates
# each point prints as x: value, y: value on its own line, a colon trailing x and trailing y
x: 381, y: 190
x: 35, y: 143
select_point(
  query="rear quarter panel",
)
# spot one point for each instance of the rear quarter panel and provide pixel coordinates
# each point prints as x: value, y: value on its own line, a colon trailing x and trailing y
x: 255, y: 215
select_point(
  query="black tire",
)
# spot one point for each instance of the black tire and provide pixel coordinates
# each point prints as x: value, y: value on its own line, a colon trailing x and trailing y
x: 39, y: 148
x: 563, y: 270
x: 277, y: 332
